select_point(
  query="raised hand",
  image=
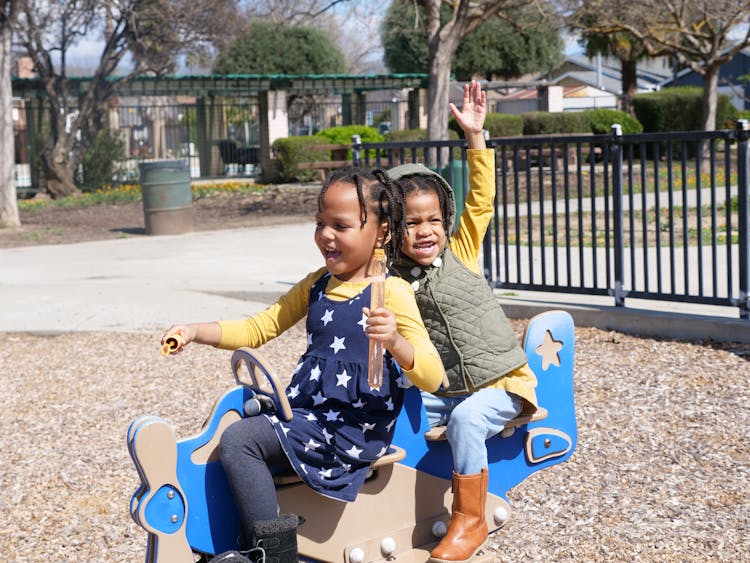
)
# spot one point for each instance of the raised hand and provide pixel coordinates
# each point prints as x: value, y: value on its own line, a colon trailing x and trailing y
x: 472, y: 114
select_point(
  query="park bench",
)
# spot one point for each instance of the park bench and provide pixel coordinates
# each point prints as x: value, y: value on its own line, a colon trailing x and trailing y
x: 339, y: 159
x: 236, y: 157
x: 184, y: 503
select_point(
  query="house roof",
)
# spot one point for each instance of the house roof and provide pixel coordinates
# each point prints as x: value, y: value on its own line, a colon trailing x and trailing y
x: 605, y: 74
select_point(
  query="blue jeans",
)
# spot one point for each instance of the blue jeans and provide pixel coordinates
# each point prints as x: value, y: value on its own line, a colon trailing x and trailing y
x: 471, y: 419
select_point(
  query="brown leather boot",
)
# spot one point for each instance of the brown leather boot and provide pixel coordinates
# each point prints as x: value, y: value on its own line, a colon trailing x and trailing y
x: 467, y: 531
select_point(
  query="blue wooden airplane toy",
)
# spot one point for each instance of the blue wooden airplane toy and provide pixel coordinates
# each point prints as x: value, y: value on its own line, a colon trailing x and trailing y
x: 184, y: 503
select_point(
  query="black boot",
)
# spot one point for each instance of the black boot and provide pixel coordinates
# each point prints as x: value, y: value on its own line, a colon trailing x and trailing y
x: 230, y: 557
x: 276, y: 540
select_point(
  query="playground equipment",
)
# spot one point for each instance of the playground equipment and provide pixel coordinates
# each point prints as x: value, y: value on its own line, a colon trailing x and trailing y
x: 402, y: 510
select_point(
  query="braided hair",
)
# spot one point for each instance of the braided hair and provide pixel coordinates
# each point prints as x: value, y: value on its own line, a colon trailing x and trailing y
x: 376, y: 193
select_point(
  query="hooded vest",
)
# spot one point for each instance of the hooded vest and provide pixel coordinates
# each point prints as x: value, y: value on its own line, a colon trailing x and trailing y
x: 478, y: 345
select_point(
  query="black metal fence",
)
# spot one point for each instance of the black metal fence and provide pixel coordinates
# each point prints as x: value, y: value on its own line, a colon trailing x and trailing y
x: 154, y: 128
x: 649, y: 216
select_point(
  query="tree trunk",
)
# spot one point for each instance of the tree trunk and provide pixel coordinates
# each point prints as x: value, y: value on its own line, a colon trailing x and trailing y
x: 629, y: 71
x: 710, y: 86
x: 59, y: 170
x: 438, y: 95
x: 59, y: 166
x: 8, y: 198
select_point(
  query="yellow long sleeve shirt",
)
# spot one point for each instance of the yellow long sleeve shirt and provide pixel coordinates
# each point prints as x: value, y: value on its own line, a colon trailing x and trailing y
x: 427, y: 372
x: 466, y: 243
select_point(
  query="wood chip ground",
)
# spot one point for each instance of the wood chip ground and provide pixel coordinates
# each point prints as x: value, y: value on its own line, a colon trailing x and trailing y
x: 661, y: 471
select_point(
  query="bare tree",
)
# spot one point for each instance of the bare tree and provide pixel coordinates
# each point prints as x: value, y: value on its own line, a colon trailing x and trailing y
x: 701, y: 35
x: 443, y: 38
x: 153, y: 32
x: 292, y: 12
x: 350, y: 23
x: 621, y: 45
x: 8, y: 202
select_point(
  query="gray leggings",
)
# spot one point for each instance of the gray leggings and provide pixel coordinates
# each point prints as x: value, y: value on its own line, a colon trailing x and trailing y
x: 251, y: 454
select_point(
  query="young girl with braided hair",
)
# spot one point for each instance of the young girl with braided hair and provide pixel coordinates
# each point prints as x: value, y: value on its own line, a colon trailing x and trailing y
x: 329, y: 393
x: 490, y: 381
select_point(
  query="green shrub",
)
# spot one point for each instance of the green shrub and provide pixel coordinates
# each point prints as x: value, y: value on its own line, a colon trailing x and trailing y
x: 601, y: 121
x: 102, y: 160
x: 503, y: 125
x: 290, y: 151
x: 677, y: 109
x: 343, y: 134
x: 409, y: 135
x: 497, y: 124
x: 558, y: 122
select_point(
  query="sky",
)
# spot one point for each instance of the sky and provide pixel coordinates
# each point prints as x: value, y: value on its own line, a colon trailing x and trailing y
x: 85, y: 54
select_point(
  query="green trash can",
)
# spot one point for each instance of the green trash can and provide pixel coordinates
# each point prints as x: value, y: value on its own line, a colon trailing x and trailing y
x: 167, y: 197
x: 453, y: 173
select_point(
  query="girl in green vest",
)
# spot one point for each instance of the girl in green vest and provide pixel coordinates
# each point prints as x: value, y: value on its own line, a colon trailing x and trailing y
x: 489, y: 379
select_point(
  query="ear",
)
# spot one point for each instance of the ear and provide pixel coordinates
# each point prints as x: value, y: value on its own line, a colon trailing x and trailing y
x: 383, y: 235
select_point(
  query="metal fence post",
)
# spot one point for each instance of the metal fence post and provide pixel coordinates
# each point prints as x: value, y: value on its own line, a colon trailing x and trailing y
x: 617, y: 218
x: 743, y: 212
x: 356, y: 150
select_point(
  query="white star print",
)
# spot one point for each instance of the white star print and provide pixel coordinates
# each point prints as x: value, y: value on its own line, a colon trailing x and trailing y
x: 332, y: 415
x: 311, y: 417
x: 325, y: 473
x: 320, y: 295
x: 286, y: 429
x: 293, y: 391
x: 390, y: 425
x: 389, y: 404
x: 327, y: 317
x: 363, y: 322
x: 338, y: 344
x: 354, y: 451
x: 312, y: 445
x: 273, y: 418
x: 299, y: 365
x: 309, y: 338
x: 315, y: 374
x: 383, y: 451
x: 342, y: 379
x: 327, y: 435
x: 359, y: 404
x: 318, y: 399
x: 367, y: 426
x: 346, y: 466
x: 404, y: 382
x: 303, y: 468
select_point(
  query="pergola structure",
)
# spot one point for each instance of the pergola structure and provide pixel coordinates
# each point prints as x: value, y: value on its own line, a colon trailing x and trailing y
x: 271, y: 90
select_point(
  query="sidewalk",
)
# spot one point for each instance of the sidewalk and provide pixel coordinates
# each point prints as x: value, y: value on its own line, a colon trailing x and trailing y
x: 148, y: 283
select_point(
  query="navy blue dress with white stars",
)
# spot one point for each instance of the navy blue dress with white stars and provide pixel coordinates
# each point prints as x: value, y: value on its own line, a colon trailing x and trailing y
x: 340, y: 424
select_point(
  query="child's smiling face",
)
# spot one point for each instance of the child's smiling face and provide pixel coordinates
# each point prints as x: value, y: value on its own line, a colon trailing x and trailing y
x: 425, y: 235
x: 344, y: 242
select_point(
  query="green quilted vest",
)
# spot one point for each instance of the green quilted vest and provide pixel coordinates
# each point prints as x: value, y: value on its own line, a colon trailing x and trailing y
x: 478, y: 345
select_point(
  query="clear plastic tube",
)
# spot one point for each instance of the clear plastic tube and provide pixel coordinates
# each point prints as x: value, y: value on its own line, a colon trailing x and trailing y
x: 377, y: 299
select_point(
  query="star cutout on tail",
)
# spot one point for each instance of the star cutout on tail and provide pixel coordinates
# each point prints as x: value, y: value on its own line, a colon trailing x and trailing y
x: 548, y: 350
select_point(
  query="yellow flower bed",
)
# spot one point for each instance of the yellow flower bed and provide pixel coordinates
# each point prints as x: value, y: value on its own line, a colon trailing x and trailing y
x: 132, y: 192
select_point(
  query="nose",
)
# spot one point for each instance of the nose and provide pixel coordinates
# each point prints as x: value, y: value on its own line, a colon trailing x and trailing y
x: 325, y: 233
x: 422, y: 229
